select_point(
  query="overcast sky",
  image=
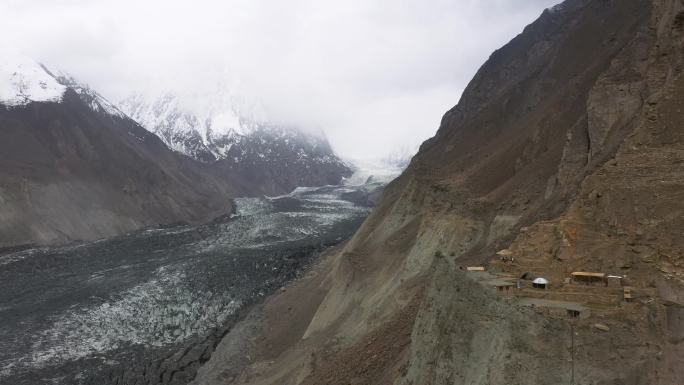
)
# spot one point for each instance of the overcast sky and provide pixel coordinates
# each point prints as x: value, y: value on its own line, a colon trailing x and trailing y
x: 375, y: 75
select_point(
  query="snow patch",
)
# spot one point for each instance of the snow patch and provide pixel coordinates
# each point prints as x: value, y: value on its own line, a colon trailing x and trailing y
x: 22, y: 81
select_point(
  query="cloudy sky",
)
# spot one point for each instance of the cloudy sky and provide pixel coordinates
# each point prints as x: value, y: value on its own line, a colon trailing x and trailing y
x: 375, y: 75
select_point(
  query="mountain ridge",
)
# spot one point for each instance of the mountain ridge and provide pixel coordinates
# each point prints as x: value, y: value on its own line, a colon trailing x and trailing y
x: 248, y: 145
x: 77, y: 167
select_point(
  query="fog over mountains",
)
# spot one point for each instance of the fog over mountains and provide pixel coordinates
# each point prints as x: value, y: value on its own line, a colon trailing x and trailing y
x: 373, y: 76
x: 77, y: 167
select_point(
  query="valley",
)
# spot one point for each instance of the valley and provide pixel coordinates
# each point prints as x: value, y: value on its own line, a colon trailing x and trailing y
x: 211, y: 235
x: 148, y: 307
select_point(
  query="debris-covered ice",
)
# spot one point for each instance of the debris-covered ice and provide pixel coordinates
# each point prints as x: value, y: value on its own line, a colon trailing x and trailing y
x: 129, y: 303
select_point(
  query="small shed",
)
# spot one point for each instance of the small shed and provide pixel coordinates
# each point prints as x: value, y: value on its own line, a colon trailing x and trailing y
x: 540, y: 283
x: 589, y: 278
x: 475, y: 268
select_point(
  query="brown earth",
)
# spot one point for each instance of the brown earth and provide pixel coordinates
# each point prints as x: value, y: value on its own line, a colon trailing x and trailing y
x: 565, y: 148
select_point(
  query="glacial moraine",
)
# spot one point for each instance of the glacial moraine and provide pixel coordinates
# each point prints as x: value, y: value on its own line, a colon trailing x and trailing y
x: 150, y: 306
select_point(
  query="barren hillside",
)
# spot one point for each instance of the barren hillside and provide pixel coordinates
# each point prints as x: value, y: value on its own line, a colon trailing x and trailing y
x: 69, y: 172
x: 566, y: 151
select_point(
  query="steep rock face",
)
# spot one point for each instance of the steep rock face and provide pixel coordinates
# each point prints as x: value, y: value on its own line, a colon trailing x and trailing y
x: 274, y: 159
x: 72, y: 167
x: 565, y: 147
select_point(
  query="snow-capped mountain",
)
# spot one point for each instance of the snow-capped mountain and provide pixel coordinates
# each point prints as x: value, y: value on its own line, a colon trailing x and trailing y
x: 23, y: 80
x: 210, y: 129
x: 89, y: 96
x: 74, y: 167
x: 221, y: 129
x: 189, y: 133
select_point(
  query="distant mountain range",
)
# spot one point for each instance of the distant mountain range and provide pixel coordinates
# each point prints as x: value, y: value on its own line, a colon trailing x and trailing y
x: 216, y: 131
x: 75, y: 166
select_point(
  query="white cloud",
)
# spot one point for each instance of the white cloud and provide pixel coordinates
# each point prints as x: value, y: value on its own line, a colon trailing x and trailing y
x: 374, y: 75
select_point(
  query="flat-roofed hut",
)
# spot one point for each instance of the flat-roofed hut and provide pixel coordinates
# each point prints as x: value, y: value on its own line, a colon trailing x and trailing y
x: 589, y: 278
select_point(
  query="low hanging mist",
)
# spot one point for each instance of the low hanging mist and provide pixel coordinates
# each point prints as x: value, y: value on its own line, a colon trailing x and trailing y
x: 376, y: 77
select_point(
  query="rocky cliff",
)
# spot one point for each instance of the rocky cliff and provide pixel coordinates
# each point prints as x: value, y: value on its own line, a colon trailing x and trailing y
x: 565, y: 150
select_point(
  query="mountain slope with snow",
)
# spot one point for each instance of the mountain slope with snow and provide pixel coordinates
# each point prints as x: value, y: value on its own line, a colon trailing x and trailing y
x: 89, y: 96
x: 219, y: 129
x: 73, y: 166
x: 23, y: 81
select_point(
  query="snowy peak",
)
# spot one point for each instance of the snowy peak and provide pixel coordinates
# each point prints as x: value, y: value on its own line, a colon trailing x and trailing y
x: 220, y: 126
x: 213, y: 115
x: 22, y: 81
x: 274, y: 158
x: 91, y: 97
x: 181, y: 130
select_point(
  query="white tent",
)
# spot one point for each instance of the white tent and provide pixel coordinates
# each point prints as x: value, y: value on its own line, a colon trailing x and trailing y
x: 540, y: 283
